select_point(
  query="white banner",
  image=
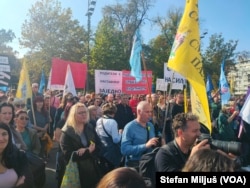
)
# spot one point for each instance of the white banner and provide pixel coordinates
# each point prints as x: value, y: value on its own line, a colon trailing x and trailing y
x: 161, y: 85
x: 4, y: 71
x: 108, y: 81
x: 178, y: 80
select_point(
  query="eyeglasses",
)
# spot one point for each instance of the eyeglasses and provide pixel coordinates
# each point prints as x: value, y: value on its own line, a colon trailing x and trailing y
x: 24, y: 118
x: 20, y: 105
x: 81, y: 113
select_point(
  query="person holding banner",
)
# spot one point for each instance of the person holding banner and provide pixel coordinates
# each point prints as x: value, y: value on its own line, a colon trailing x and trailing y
x: 39, y: 117
x: 34, y: 88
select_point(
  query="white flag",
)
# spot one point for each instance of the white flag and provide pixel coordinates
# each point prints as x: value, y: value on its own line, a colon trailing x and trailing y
x: 69, y: 85
x: 245, y: 110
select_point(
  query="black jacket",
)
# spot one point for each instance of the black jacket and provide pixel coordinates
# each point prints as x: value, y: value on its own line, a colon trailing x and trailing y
x: 70, y: 142
x: 170, y: 158
x: 123, y: 115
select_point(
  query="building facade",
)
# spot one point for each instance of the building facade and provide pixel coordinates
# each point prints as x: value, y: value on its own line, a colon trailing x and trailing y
x: 239, y: 78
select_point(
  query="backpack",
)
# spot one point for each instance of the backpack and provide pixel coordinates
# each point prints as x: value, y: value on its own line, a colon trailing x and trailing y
x: 147, y: 166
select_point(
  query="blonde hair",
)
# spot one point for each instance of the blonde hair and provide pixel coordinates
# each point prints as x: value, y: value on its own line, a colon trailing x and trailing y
x: 71, y: 120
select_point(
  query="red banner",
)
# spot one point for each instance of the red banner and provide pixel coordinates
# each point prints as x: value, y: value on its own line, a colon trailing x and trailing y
x: 59, y: 67
x: 130, y: 86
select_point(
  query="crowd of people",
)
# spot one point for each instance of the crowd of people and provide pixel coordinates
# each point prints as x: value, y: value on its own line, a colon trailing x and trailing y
x: 120, y: 128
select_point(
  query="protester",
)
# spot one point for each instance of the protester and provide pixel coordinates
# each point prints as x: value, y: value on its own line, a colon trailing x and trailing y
x: 92, y: 115
x: 124, y: 113
x: 110, y: 136
x: 122, y: 177
x: 78, y: 135
x: 158, y: 115
x: 133, y: 102
x: 52, y: 112
x: 67, y: 98
x: 138, y: 136
x: 173, y: 155
x: 60, y: 162
x: 28, y: 134
x: 14, y: 167
x: 39, y: 118
x: 225, y: 124
x: 54, y: 100
x: 19, y: 104
x: 35, y: 92
x: 7, y: 116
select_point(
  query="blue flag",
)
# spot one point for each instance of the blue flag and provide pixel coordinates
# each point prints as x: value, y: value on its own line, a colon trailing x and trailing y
x: 224, y: 86
x: 42, y: 83
x: 135, y: 57
x: 209, y: 87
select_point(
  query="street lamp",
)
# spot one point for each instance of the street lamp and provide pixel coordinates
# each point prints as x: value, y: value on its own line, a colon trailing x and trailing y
x: 91, y: 8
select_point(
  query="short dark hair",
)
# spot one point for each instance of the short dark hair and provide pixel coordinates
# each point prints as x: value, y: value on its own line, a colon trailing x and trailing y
x: 109, y: 108
x: 180, y: 120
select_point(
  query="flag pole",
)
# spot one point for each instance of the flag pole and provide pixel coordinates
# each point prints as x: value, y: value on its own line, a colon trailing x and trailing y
x: 145, y: 68
x: 166, y: 112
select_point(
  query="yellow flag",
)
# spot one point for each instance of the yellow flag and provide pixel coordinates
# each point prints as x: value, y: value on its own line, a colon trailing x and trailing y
x: 24, y: 87
x: 185, y: 57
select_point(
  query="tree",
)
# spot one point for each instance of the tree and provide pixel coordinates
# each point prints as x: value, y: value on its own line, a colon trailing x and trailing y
x: 7, y: 37
x: 114, y: 35
x: 217, y: 51
x: 160, y: 47
x: 128, y: 17
x: 50, y: 32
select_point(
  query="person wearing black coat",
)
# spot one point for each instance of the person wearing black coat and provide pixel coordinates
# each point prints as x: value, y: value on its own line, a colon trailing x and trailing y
x: 124, y: 112
x: 79, y: 136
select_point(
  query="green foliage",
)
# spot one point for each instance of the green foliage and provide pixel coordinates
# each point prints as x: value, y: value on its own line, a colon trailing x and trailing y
x: 51, y: 32
x: 114, y: 36
x: 160, y: 47
x: 217, y: 50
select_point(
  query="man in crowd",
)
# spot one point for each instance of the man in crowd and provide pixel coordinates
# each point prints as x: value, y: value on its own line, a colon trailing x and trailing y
x: 124, y: 112
x: 138, y: 136
x: 35, y: 93
x: 173, y: 155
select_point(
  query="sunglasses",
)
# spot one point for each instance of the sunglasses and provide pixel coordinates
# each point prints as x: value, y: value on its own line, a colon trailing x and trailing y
x: 24, y: 118
x: 20, y: 105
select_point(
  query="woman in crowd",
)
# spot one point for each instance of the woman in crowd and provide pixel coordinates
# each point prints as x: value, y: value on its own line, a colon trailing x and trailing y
x: 40, y: 121
x: 122, y: 177
x: 97, y: 102
x: 78, y: 135
x: 58, y: 115
x: 7, y: 116
x: 107, y: 130
x: 14, y: 167
x: 60, y: 162
x: 19, y: 104
x: 225, y: 121
x: 29, y: 135
x: 92, y: 115
x: 162, y: 103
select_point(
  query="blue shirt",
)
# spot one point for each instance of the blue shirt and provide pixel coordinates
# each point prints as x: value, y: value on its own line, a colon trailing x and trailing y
x: 134, y: 139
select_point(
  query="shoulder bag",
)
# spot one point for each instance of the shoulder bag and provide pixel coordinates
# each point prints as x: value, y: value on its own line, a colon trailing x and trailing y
x: 71, y: 176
